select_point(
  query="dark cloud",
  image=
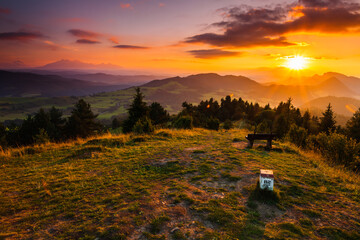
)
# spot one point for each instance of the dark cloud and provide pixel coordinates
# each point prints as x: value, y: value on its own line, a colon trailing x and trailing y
x: 248, y: 27
x: 83, y: 34
x: 212, y: 53
x: 86, y: 41
x: 20, y: 36
x: 5, y: 10
x: 129, y: 47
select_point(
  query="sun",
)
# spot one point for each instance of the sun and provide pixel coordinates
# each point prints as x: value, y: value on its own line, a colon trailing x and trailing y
x: 296, y: 62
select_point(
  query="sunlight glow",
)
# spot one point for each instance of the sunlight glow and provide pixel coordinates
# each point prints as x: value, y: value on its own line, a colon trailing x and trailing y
x: 296, y: 62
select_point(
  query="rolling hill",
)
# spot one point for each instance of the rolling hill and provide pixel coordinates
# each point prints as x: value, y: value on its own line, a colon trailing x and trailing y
x: 172, y: 92
x: 341, y: 105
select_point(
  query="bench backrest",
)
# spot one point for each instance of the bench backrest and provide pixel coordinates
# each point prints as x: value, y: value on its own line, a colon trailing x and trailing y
x: 261, y: 136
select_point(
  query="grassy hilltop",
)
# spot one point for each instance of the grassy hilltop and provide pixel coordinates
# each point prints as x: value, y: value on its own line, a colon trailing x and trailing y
x: 196, y: 184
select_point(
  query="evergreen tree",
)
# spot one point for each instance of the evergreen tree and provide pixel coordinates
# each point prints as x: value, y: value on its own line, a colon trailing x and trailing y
x: 41, y: 120
x: 327, y: 121
x: 306, y: 120
x: 27, y: 131
x: 281, y: 127
x: 3, y: 142
x: 82, y: 122
x: 158, y: 114
x: 137, y: 111
x: 57, y: 124
x: 116, y: 123
x: 353, y: 126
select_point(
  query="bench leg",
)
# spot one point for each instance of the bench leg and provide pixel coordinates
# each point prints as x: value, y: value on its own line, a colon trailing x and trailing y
x: 269, y: 145
x: 250, y: 143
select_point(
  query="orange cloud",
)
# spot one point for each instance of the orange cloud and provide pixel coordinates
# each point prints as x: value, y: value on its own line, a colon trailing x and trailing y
x: 247, y: 26
x: 114, y: 40
x: 126, y: 5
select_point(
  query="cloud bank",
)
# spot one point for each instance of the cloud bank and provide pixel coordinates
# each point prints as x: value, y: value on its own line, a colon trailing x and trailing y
x: 212, y: 53
x: 246, y: 26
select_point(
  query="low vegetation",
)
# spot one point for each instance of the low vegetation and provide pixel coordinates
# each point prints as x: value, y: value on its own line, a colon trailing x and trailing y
x: 173, y: 184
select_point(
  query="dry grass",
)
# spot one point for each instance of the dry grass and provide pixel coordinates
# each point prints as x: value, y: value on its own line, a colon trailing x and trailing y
x: 174, y: 184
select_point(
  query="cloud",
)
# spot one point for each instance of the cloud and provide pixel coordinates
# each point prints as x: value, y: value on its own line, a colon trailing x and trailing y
x: 83, y: 34
x: 246, y: 26
x: 129, y: 47
x: 114, y: 40
x: 212, y: 53
x: 20, y: 36
x: 87, y: 41
x: 161, y: 4
x: 73, y: 20
x: 54, y: 46
x: 126, y: 5
x: 5, y: 10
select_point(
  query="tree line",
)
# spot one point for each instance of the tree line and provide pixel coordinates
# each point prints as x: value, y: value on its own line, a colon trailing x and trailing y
x: 285, y: 120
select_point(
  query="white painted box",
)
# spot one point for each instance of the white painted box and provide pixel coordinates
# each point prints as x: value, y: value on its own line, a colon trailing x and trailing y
x: 266, y: 179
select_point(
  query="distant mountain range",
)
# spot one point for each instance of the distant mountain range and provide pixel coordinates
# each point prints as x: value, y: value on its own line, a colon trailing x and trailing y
x: 172, y: 92
x: 19, y: 84
x: 74, y: 64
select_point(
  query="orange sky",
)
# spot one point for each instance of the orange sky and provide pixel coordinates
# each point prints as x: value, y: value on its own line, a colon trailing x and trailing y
x: 182, y: 37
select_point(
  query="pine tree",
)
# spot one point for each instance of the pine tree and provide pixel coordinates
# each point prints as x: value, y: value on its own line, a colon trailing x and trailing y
x: 27, y: 131
x: 306, y: 120
x: 56, y: 129
x: 158, y: 114
x: 82, y: 122
x: 327, y: 121
x: 353, y: 126
x: 3, y: 142
x: 137, y: 111
x: 116, y: 123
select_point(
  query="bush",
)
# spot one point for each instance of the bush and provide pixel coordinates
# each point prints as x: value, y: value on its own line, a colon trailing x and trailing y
x: 228, y: 124
x: 213, y: 123
x: 41, y: 137
x: 336, y: 148
x: 298, y: 135
x: 184, y: 122
x: 264, y: 127
x: 143, y: 126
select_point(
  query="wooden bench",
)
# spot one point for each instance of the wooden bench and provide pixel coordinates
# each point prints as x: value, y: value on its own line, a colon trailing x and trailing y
x: 260, y: 136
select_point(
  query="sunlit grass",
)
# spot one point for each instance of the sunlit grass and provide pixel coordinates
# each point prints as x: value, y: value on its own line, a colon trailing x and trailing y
x: 198, y: 181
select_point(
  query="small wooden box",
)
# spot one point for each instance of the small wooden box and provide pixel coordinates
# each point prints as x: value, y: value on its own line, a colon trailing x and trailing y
x: 266, y: 179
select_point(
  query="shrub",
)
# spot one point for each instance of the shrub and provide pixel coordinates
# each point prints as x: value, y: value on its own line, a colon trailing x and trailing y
x: 264, y: 127
x: 298, y: 135
x: 41, y: 137
x: 143, y: 126
x: 336, y: 148
x: 213, y: 123
x: 184, y: 122
x: 228, y: 124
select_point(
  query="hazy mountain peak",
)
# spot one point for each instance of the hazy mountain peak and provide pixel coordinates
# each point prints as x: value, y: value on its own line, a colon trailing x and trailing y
x: 75, y: 64
x: 13, y: 65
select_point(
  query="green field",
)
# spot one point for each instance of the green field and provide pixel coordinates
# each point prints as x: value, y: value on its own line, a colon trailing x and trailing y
x: 195, y: 184
x: 111, y: 104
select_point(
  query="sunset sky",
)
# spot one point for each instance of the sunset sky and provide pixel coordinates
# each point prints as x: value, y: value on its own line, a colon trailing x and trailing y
x: 183, y: 36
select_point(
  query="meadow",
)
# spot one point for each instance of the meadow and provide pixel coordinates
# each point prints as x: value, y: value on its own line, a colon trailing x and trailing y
x: 174, y: 184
